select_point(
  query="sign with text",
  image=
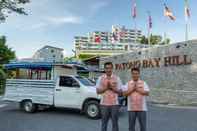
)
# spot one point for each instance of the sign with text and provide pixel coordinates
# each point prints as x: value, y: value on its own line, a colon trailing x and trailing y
x: 156, y: 62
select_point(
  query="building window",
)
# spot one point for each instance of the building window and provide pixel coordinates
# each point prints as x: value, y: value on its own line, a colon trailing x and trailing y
x: 53, y: 56
x: 52, y: 51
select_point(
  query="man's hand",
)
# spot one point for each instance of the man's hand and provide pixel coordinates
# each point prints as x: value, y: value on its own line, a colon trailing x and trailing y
x: 118, y: 91
x: 128, y: 92
x: 135, y: 87
x: 113, y: 87
x: 141, y: 91
x: 102, y: 90
x: 109, y: 85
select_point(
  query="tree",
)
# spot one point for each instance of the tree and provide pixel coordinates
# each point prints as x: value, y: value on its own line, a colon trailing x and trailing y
x: 166, y: 41
x: 70, y: 59
x: 143, y: 40
x: 2, y: 81
x: 154, y: 40
x: 6, y: 53
x: 9, y: 6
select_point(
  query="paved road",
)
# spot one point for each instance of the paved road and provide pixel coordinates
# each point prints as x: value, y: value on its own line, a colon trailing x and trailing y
x: 159, y: 119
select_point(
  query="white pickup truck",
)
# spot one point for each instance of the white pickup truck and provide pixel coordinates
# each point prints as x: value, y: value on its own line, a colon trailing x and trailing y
x: 66, y: 91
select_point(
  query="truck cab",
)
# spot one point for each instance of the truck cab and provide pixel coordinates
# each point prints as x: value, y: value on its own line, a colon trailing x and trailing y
x: 77, y: 92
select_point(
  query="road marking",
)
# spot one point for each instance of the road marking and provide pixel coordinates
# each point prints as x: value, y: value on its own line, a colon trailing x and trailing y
x: 3, y: 105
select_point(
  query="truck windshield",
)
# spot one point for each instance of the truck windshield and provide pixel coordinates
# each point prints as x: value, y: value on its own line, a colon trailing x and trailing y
x: 85, y: 81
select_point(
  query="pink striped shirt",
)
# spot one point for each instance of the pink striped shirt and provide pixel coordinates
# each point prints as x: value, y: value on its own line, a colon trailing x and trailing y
x: 109, y: 97
x: 137, y: 101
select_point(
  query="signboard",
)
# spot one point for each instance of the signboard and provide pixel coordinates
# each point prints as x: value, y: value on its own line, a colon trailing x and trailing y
x: 156, y: 62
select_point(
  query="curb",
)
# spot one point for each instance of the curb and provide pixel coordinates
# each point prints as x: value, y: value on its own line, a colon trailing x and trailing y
x: 173, y: 106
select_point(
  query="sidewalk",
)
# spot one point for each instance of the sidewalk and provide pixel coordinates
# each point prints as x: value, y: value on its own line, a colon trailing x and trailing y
x: 176, y: 106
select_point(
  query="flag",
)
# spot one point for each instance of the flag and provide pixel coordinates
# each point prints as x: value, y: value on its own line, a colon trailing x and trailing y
x: 114, y: 34
x: 187, y: 10
x: 106, y: 38
x: 97, y: 39
x: 150, y: 24
x: 122, y: 32
x: 114, y: 38
x: 149, y: 27
x: 134, y: 9
x: 168, y: 13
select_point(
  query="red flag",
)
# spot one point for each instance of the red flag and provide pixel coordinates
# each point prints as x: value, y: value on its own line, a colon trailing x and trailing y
x: 97, y: 39
x: 122, y: 32
x: 134, y: 9
x: 168, y: 13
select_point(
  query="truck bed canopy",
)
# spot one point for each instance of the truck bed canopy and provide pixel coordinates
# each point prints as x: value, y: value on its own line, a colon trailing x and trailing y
x: 38, y: 70
x: 29, y: 65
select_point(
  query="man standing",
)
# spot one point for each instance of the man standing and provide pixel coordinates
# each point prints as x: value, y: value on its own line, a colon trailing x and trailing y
x: 136, y: 91
x: 109, y: 86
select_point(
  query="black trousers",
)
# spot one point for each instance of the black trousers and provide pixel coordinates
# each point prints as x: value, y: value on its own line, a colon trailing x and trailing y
x: 141, y: 115
x: 108, y: 112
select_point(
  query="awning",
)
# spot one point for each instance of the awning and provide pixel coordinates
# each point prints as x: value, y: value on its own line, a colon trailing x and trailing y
x: 38, y: 65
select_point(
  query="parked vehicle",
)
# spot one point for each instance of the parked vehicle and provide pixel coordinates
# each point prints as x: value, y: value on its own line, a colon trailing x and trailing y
x: 67, y: 91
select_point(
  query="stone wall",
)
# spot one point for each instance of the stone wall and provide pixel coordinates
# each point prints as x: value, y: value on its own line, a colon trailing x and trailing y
x: 170, y: 71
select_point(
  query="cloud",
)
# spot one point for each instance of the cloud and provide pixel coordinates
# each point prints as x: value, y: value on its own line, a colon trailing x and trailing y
x: 32, y: 26
x: 99, y: 5
x: 96, y: 6
x: 65, y: 20
x: 37, y: 26
x: 50, y: 21
x: 49, y: 13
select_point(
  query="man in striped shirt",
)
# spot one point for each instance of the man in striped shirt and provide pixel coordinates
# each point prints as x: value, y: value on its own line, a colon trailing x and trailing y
x: 109, y: 87
x: 136, y: 91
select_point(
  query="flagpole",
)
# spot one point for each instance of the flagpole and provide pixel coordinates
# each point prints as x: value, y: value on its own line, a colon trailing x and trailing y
x: 149, y: 37
x: 186, y: 31
x: 134, y: 15
x: 135, y: 30
x: 165, y: 21
x: 186, y: 20
x: 165, y: 37
x: 149, y: 28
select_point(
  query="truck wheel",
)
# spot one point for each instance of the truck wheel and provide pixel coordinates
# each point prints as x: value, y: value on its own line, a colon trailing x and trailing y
x: 92, y: 109
x: 28, y: 106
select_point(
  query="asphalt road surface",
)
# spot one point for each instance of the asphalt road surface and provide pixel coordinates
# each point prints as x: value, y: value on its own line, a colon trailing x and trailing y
x: 159, y: 119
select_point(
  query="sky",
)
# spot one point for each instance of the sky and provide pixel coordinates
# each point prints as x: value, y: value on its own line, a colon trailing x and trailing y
x: 56, y: 22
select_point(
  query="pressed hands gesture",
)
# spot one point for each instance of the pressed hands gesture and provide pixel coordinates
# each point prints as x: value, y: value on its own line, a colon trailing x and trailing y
x: 110, y: 86
x: 135, y: 89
